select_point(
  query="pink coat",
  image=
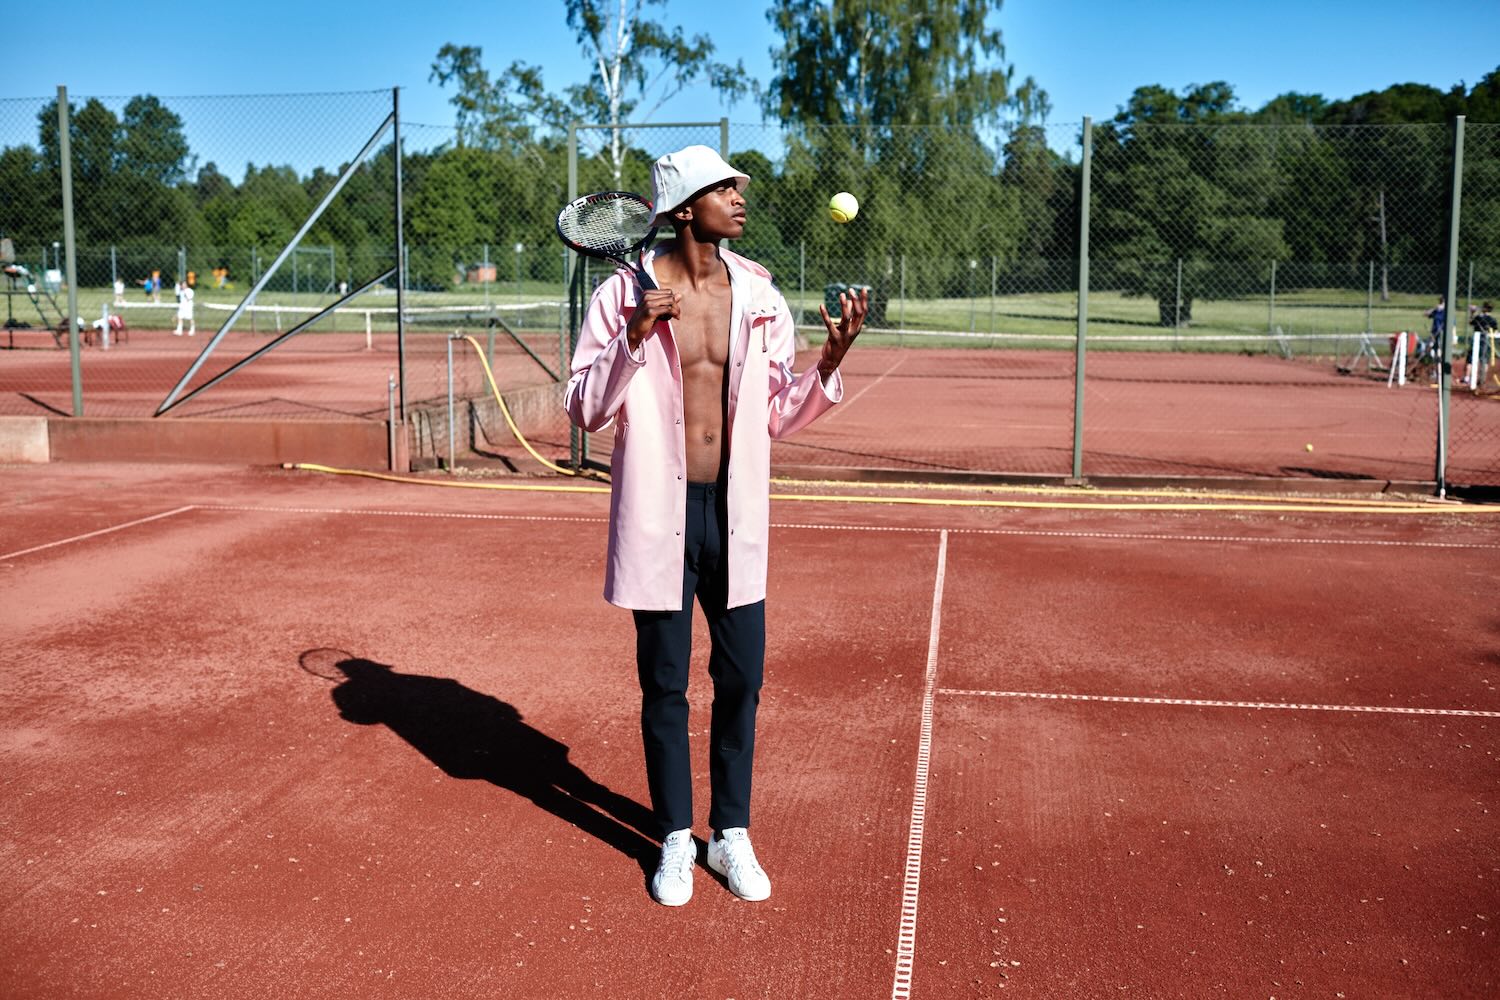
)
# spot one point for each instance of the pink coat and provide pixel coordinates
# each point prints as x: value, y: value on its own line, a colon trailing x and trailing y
x: 642, y: 395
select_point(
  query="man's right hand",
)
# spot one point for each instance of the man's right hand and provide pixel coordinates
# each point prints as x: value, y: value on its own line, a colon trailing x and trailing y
x: 656, y: 304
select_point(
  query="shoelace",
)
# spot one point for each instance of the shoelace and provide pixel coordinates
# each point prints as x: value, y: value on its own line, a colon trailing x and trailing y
x: 739, y: 856
x: 677, y: 858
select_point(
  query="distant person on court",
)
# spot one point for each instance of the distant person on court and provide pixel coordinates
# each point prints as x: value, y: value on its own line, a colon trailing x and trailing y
x: 696, y: 377
x: 1485, y: 327
x: 119, y: 292
x: 1438, y: 314
x: 185, y: 309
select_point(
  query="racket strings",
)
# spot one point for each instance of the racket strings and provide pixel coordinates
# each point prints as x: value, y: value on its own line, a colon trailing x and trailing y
x: 612, y: 226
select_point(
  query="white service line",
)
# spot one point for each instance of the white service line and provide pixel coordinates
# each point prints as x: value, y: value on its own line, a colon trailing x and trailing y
x: 842, y: 407
x: 96, y: 534
x: 906, y: 936
x: 1122, y: 536
x: 1207, y: 703
x: 1125, y: 536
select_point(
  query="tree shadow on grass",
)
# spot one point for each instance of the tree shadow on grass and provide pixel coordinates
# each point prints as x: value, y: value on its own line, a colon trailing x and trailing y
x: 472, y: 735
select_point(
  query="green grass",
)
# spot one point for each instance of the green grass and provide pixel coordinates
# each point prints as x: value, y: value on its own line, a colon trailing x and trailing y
x: 1115, y: 320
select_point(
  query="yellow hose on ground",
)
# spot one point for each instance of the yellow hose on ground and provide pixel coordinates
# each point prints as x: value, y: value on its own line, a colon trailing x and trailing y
x: 1325, y: 505
x: 510, y: 422
x: 1269, y: 507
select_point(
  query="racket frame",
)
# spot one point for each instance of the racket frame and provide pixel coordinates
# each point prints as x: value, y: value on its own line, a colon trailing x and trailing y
x: 643, y: 279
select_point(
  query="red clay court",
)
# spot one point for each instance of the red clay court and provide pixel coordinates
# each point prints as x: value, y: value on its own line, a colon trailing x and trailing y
x: 272, y: 734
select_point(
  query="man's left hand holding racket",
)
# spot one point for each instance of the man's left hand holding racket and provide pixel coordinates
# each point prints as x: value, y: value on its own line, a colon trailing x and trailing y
x: 613, y: 225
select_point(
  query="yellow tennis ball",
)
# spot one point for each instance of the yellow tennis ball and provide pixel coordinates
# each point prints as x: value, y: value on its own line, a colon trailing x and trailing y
x: 1309, y: 446
x: 843, y: 206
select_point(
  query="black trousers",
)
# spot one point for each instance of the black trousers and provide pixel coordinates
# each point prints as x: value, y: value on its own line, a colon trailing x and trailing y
x: 736, y: 664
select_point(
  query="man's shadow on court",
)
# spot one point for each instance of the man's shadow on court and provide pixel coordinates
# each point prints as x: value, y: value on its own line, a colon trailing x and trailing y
x: 476, y: 736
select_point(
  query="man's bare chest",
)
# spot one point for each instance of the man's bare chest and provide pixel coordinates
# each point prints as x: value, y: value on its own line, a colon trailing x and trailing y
x: 702, y: 331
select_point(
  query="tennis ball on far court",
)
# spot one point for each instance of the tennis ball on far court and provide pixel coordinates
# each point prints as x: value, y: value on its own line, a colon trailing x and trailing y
x: 1309, y: 446
x: 843, y: 206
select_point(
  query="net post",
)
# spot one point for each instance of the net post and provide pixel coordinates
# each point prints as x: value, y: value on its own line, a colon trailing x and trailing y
x: 450, y: 404
x: 66, y: 167
x: 1084, y: 172
x: 390, y: 406
x: 1450, y: 305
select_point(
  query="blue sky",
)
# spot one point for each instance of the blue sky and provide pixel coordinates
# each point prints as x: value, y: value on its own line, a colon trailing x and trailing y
x: 1088, y: 54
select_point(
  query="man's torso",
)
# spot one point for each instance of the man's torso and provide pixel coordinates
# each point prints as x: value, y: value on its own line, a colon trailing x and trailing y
x: 701, y: 334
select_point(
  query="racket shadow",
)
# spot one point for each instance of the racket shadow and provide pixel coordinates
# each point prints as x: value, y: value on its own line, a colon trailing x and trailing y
x: 475, y: 736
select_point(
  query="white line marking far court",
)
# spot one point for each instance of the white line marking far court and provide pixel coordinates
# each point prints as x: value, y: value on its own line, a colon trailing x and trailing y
x: 95, y: 534
x: 1205, y: 703
x: 842, y: 407
x: 1126, y: 536
x: 906, y: 936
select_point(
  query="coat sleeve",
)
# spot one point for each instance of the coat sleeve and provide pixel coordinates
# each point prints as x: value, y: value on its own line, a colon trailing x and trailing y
x: 602, y: 363
x: 796, y: 400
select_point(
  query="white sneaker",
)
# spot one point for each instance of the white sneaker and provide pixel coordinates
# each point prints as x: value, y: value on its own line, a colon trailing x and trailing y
x: 730, y: 854
x: 672, y: 885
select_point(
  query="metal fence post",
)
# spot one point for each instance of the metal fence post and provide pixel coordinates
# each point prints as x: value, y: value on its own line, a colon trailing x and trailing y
x: 450, y: 403
x: 1370, y: 302
x: 66, y: 166
x: 994, y: 273
x: 1271, y: 315
x: 1177, y: 309
x: 1084, y: 170
x: 569, y: 262
x: 901, y: 313
x: 1450, y: 305
x: 802, y: 279
x: 400, y: 253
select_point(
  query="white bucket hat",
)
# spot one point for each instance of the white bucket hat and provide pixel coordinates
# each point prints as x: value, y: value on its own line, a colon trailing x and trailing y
x: 678, y: 176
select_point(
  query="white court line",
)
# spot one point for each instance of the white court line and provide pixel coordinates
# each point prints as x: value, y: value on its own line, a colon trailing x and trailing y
x: 833, y: 414
x: 1125, y: 536
x: 1018, y: 532
x: 906, y: 936
x: 459, y: 515
x: 1206, y: 703
x: 95, y: 534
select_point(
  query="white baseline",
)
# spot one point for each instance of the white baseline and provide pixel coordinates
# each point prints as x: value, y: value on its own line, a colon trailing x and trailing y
x: 1208, y: 703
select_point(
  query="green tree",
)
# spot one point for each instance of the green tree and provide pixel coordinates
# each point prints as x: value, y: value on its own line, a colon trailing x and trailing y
x: 1177, y: 178
x: 636, y: 64
x: 900, y: 103
x: 152, y: 144
x: 891, y: 62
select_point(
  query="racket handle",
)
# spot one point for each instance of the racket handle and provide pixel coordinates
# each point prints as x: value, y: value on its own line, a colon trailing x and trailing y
x: 643, y: 279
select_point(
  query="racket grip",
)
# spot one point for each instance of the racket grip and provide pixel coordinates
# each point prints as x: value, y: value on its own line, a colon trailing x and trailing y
x: 644, y: 280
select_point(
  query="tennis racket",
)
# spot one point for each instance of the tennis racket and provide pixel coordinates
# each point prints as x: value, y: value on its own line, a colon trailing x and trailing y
x: 611, y: 225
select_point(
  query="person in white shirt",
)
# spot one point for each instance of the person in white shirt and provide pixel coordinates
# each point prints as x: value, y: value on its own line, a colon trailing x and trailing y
x: 185, y: 309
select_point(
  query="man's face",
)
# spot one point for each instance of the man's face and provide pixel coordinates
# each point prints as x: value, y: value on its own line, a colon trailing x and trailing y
x: 718, y: 211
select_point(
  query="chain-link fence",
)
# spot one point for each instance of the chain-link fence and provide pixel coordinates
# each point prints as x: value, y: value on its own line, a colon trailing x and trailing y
x: 1247, y: 284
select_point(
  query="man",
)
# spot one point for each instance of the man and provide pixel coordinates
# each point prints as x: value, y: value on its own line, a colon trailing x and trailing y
x: 1485, y: 327
x: 185, y: 309
x: 696, y: 377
